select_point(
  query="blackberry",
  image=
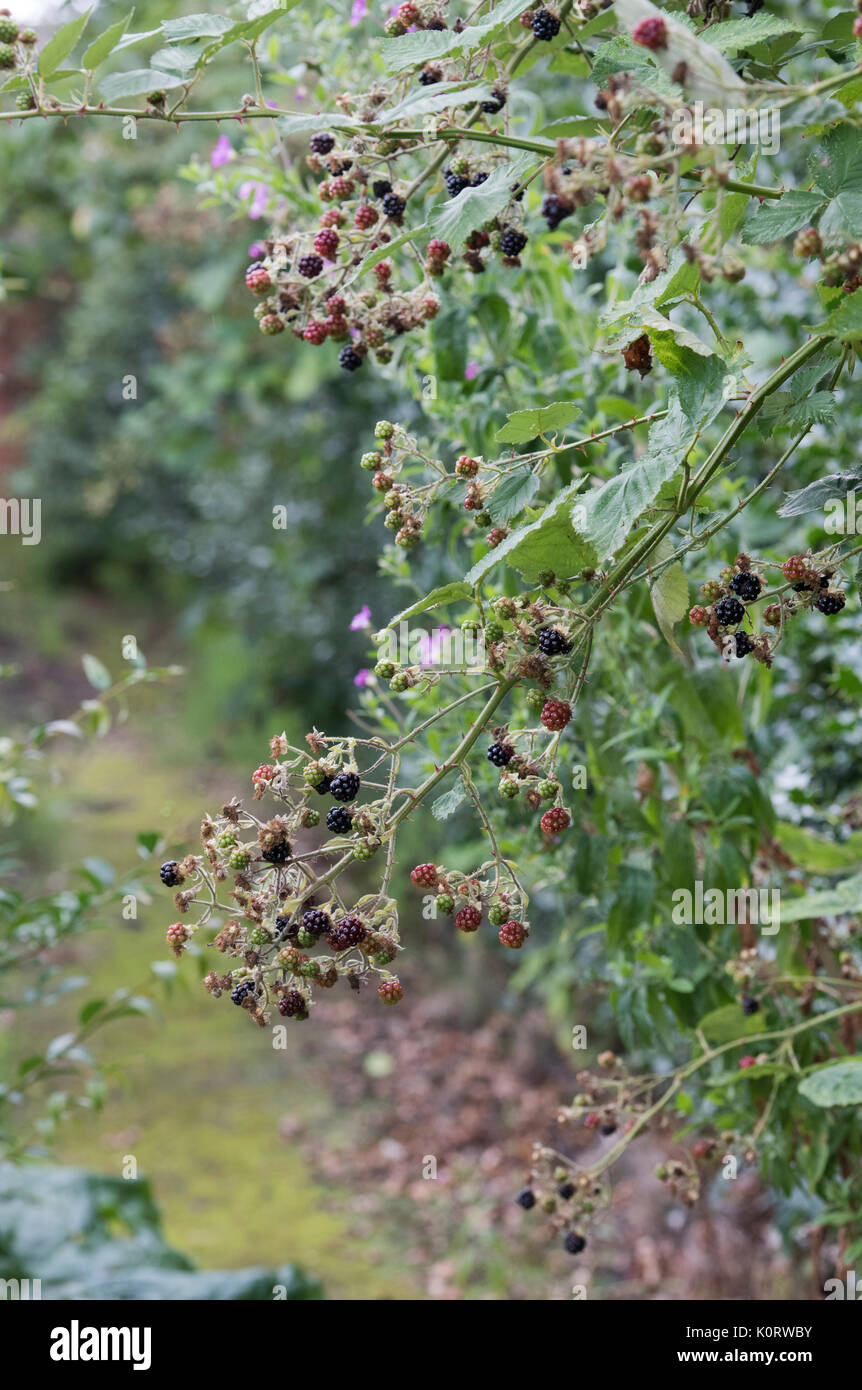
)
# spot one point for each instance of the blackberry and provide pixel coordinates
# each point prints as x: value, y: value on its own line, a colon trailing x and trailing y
x: 244, y: 990
x: 321, y: 144
x: 170, y: 875
x: 729, y: 611
x: 651, y: 33
x: 512, y: 243
x: 555, y: 821
x: 339, y: 820
x: 316, y: 921
x: 393, y: 205
x: 322, y: 787
x: 494, y: 103
x: 512, y: 934
x: 345, y: 786
x: 566, y: 1191
x: 309, y: 266
x: 293, y: 1005
x: 750, y: 1005
x: 747, y: 586
x: 744, y: 644
x: 346, y: 933
x: 468, y: 918
x: 8, y: 30
x: 608, y: 1128
x: 7, y: 55
x: 526, y: 1199
x: 381, y: 186
x: 574, y: 1243
x: 553, y: 642
x: 284, y: 927
x: 556, y: 714
x: 278, y: 853
x: 545, y: 25
x: 500, y: 754
x: 349, y: 359
x: 424, y: 876
x: 554, y: 210
x: 478, y: 179
x: 830, y: 601
x: 390, y: 992
x: 455, y: 183
x: 428, y: 76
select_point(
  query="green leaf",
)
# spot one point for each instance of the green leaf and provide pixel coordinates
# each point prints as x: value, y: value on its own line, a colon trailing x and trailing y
x: 446, y: 805
x: 816, y: 495
x: 60, y: 45
x: 196, y: 26
x: 325, y: 120
x: 550, y: 543
x: 816, y: 855
x: 411, y: 50
x: 781, y: 218
x: 619, y: 54
x: 845, y: 322
x: 845, y: 897
x: 836, y: 166
x: 669, y: 597
x: 104, y: 45
x: 454, y: 220
x: 444, y: 96
x: 728, y: 1022
x: 446, y: 593
x: 515, y: 492
x: 136, y: 82
x: 97, y: 674
x: 837, y: 1083
x: 523, y: 425
x: 738, y: 35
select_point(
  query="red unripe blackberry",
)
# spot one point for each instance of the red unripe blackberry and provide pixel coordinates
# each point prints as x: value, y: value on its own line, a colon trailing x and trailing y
x: 257, y: 279
x: 438, y: 250
x: 271, y: 324
x: 857, y: 26
x: 349, y: 931
x: 321, y: 144
x: 698, y: 616
x: 336, y: 305
x: 500, y: 754
x: 345, y: 786
x: 496, y: 536
x: 264, y: 773
x: 340, y: 188
x: 830, y: 601
x: 315, y: 332
x: 293, y: 1005
x: 512, y: 934
x: 729, y: 611
x: 795, y: 568
x: 176, y: 935
x: 555, y: 820
x: 591, y: 1121
x: 310, y: 266
x: 468, y: 918
x: 383, y: 272
x: 466, y: 467
x: 408, y: 13
x: 430, y: 307
x: 745, y: 1062
x: 556, y: 714
x: 326, y: 243
x: 382, y: 481
x: 390, y: 991
x: 473, y: 501
x: 336, y: 327
x: 365, y: 216
x: 424, y: 876
x: 332, y: 217
x: 651, y: 33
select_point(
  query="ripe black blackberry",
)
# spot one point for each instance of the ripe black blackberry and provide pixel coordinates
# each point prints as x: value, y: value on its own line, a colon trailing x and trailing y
x: 750, y: 1005
x: 323, y: 787
x: 322, y: 143
x: 478, y: 179
x: 566, y: 1191
x: 500, y: 754
x: 244, y: 990
x: 512, y: 243
x: 455, y: 183
x: 830, y: 601
x: 574, y: 1243
x: 526, y: 1199
x: 169, y: 874
x: 339, y: 820
x: 381, y: 186
x: 554, y: 210
x: 293, y: 1005
x: 349, y: 359
x: 428, y: 76
x: 545, y: 25
x: 393, y: 206
x: 729, y: 611
x: 284, y: 927
x: 309, y: 266
x: 495, y: 102
x: 552, y: 642
x: 345, y: 786
x: 744, y: 644
x: 746, y: 586
x: 278, y: 853
x: 316, y: 921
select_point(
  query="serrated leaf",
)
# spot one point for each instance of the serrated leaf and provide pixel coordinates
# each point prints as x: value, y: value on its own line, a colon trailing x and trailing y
x: 136, y: 82
x: 789, y: 214
x: 728, y: 1022
x: 60, y: 45
x: 102, y: 47
x: 845, y: 897
x: 837, y: 1083
x: 549, y: 543
x: 524, y: 425
x: 836, y: 165
x: 816, y: 495
x: 619, y: 54
x: 446, y: 593
x: 411, y: 50
x: 455, y: 220
x: 515, y: 492
x: 736, y: 35
x: 323, y: 120
x: 97, y: 674
x: 446, y: 805
x: 845, y: 322
x: 196, y: 26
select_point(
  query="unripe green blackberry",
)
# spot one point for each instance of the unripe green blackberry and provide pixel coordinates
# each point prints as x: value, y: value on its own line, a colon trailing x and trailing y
x: 311, y: 818
x: 497, y: 915
x: 483, y: 518
x: 365, y: 849
x: 259, y: 936
x: 239, y: 860
x: 505, y: 608
x: 712, y: 590
x: 8, y: 29
x: 493, y: 631
x: 385, y: 669
x: 383, y: 430
x: 400, y: 682
x: 305, y: 939
x: 471, y: 625
x: 547, y: 788
x: 25, y: 101
x: 371, y: 462
x: 509, y: 787
x: 7, y: 55
x: 535, y: 700
x: 444, y: 903
x: 392, y: 521
x: 226, y: 840
x: 309, y: 969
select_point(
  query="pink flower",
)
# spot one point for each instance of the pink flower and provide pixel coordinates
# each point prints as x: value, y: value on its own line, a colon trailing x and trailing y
x: 358, y: 12
x: 222, y: 152
x: 256, y: 250
x: 362, y: 619
x: 362, y: 677
x: 431, y: 646
x: 472, y: 371
x: 259, y: 195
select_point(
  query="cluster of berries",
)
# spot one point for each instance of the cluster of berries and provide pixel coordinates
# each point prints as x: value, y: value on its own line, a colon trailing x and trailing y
x: 740, y: 585
x: 14, y: 45
x: 414, y: 14
x: 279, y: 907
x: 465, y: 896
